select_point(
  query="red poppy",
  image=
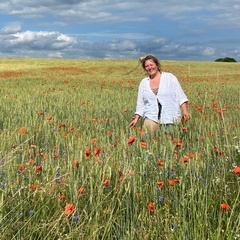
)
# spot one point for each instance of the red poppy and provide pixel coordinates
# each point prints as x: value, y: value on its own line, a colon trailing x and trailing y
x: 69, y: 209
x: 131, y: 139
x: 185, y: 159
x: 87, y: 152
x: 33, y: 187
x: 171, y: 182
x: 93, y: 141
x: 106, y: 182
x: 184, y: 129
x: 236, y: 170
x: 75, y: 164
x: 22, y: 130
x: 81, y: 190
x: 143, y: 144
x: 160, y: 184
x: 160, y: 163
x: 199, y: 109
x: 20, y: 167
x: 61, y: 197
x: 38, y: 168
x: 97, y: 151
x: 224, y: 206
x: 71, y: 128
x: 192, y: 155
x: 151, y: 207
x: 49, y: 118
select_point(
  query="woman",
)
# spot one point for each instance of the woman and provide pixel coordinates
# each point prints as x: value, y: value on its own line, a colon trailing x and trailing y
x: 160, y: 98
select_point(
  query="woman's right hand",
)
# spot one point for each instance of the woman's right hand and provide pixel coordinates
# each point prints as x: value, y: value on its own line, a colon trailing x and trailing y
x: 134, y: 121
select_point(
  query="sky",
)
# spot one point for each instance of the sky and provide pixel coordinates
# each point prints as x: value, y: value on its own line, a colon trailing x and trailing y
x: 186, y: 30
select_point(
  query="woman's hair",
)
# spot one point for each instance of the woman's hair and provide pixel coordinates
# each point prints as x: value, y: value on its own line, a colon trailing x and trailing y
x: 150, y: 57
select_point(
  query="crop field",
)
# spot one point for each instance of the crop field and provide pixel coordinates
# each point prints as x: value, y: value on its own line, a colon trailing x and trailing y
x: 71, y: 168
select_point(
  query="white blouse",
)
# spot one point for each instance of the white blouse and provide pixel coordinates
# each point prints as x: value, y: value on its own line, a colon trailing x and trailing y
x: 170, y: 95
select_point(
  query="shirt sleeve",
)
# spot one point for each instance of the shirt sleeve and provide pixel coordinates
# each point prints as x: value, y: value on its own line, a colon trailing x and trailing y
x: 140, y: 103
x: 180, y: 95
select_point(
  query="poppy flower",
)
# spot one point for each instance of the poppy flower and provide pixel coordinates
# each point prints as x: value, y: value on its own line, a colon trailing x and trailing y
x: 33, y: 187
x: 69, y: 209
x: 87, y: 152
x: 22, y: 130
x: 202, y: 138
x: 49, y: 118
x: 160, y: 163
x: 75, y: 164
x: 151, y: 207
x: 20, y: 167
x: 184, y: 129
x: 40, y: 113
x: 97, y: 151
x: 38, y: 168
x: 81, y: 190
x: 224, y: 206
x: 236, y: 170
x: 171, y: 182
x: 185, y: 159
x: 199, y: 109
x: 61, y: 197
x: 192, y: 155
x: 115, y: 143
x: 160, y: 184
x: 131, y: 140
x: 106, y: 182
x: 131, y: 172
x: 143, y: 144
x: 93, y: 141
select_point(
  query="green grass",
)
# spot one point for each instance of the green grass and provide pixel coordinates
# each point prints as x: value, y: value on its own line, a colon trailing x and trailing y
x: 95, y: 99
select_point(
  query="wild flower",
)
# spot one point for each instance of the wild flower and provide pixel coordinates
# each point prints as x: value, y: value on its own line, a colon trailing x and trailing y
x: 224, y: 206
x: 97, y: 151
x: 160, y: 184
x: 75, y: 164
x: 81, y: 190
x: 236, y: 170
x: 31, y: 212
x: 131, y: 140
x: 87, y: 152
x: 160, y: 163
x: 143, y: 144
x: 151, y: 207
x: 69, y: 209
x: 160, y: 198
x: 106, y: 182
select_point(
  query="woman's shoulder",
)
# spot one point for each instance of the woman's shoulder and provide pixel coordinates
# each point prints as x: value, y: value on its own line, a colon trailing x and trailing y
x: 168, y: 74
x: 144, y: 80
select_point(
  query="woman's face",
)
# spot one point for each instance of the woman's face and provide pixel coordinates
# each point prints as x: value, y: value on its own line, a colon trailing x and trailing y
x: 151, y: 67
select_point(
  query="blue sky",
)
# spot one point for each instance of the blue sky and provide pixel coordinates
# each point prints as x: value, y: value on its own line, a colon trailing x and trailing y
x: 199, y: 30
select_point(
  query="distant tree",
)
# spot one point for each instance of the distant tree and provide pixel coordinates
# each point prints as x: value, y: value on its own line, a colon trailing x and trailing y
x: 226, y: 59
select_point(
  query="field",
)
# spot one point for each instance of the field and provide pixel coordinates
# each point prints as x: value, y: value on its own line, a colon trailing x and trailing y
x: 70, y: 168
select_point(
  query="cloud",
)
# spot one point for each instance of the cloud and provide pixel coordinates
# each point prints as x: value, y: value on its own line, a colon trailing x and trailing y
x: 195, y: 30
x: 10, y: 29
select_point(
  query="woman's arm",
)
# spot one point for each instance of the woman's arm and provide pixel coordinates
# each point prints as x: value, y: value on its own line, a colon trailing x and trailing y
x: 185, y: 111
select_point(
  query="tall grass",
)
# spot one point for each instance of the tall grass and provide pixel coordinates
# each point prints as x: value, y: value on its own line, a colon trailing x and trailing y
x: 52, y: 111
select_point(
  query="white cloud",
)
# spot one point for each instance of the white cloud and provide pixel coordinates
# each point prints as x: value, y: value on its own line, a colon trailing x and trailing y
x: 13, y: 28
x: 59, y: 28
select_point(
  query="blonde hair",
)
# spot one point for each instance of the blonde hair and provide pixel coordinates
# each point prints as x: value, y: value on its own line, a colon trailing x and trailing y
x: 150, y: 57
